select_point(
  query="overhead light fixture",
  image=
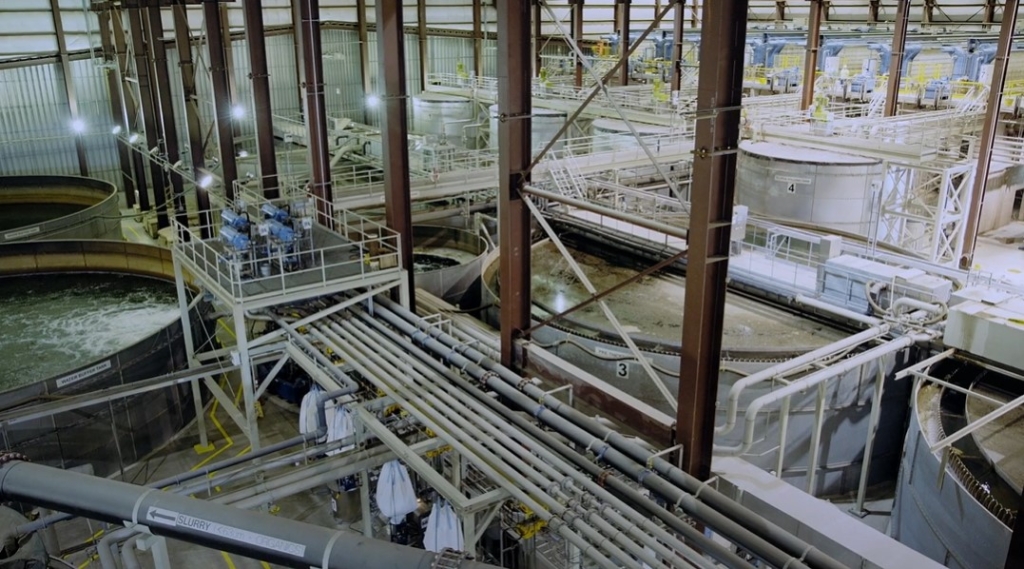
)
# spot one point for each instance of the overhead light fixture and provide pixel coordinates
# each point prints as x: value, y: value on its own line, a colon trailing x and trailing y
x: 133, y: 138
x: 116, y: 129
x: 78, y: 126
x: 205, y: 180
x: 243, y: 153
x: 154, y: 150
x: 238, y: 112
x: 373, y: 101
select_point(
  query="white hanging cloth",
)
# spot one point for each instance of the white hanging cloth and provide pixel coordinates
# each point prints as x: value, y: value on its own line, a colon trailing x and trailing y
x: 649, y: 550
x: 308, y: 412
x: 340, y: 427
x: 396, y: 497
x: 443, y: 530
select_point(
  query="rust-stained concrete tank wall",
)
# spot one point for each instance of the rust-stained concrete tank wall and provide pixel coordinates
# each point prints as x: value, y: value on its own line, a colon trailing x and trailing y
x: 57, y: 207
x: 142, y: 423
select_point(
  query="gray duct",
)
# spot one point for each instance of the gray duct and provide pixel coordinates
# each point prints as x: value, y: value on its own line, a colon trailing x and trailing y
x: 259, y: 536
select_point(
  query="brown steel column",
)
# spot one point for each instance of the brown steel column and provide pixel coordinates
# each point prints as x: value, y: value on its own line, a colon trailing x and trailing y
x: 64, y: 72
x: 513, y: 161
x: 194, y: 130
x: 162, y: 97
x: 989, y: 131
x: 157, y: 176
x: 364, y: 56
x: 316, y: 112
x: 131, y: 111
x: 263, y: 116
x: 694, y: 10
x: 300, y: 68
x: 222, y: 97
x: 577, y: 36
x: 719, y: 96
x: 677, y: 45
x: 817, y: 8
x: 538, y: 37
x: 118, y: 114
x: 899, y: 44
x: 624, y: 6
x: 478, y: 39
x: 873, y: 6
x: 421, y: 33
x: 395, y: 131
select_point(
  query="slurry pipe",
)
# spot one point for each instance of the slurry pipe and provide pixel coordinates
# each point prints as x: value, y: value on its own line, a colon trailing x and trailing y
x: 273, y: 539
x: 764, y: 539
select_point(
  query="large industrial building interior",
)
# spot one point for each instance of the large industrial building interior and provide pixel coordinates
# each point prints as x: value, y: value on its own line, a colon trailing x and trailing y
x: 545, y: 284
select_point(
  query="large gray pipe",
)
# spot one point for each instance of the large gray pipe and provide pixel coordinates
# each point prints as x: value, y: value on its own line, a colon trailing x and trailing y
x: 258, y: 536
x: 759, y: 536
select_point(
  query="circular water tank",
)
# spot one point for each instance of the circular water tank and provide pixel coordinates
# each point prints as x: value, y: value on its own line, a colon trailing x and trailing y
x: 544, y: 125
x: 823, y: 188
x: 82, y: 316
x: 57, y: 207
x: 443, y: 115
x: 610, y: 135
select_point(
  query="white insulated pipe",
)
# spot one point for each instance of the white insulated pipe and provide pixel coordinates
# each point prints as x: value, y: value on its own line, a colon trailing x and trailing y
x: 808, y: 381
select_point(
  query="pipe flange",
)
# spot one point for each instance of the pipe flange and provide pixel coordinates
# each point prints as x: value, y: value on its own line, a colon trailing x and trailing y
x: 603, y: 477
x: 487, y: 376
x: 12, y: 457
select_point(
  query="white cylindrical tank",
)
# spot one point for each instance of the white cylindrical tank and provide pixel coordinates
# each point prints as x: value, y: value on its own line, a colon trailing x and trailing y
x: 442, y: 115
x: 610, y: 134
x: 544, y: 125
x: 823, y: 188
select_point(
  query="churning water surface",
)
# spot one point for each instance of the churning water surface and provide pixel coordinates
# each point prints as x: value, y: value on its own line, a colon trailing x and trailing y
x: 52, y: 323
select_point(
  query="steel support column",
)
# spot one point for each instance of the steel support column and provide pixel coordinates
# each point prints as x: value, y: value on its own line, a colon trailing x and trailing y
x: 118, y: 113
x: 899, y: 45
x: 157, y: 176
x: 77, y: 126
x: 162, y: 97
x: 130, y: 109
x: 873, y: 9
x: 513, y: 162
x: 677, y: 45
x: 538, y: 37
x: 719, y: 96
x: 263, y: 117
x: 364, y: 56
x: 623, y: 24
x: 989, y: 131
x: 817, y: 8
x: 577, y: 36
x: 395, y: 132
x: 478, y: 38
x: 194, y: 130
x: 316, y: 112
x: 223, y: 98
x: 421, y: 40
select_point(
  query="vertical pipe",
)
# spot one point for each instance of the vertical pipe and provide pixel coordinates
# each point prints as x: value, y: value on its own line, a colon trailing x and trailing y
x: 223, y: 99
x: 819, y: 423
x: 130, y: 110
x: 364, y: 55
x: 677, y: 45
x: 118, y: 114
x: 869, y: 444
x: 395, y: 132
x: 364, y: 503
x: 719, y: 95
x: 316, y: 112
x: 248, y: 386
x: 190, y: 352
x: 513, y: 160
x: 989, y: 130
x: 817, y: 8
x: 783, y: 436
x: 263, y: 116
x: 156, y: 174
x: 194, y: 130
x: 577, y: 36
x: 421, y: 40
x: 165, y: 116
x: 624, y: 6
x: 64, y: 72
x: 899, y: 44
x: 478, y: 38
x: 538, y: 37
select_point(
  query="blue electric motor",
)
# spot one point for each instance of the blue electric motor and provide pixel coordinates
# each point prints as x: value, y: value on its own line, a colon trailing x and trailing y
x: 275, y: 213
x: 233, y: 219
x: 282, y: 232
x: 234, y: 238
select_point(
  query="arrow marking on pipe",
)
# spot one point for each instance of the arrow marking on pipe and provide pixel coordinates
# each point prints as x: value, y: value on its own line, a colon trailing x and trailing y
x: 162, y: 516
x: 236, y: 534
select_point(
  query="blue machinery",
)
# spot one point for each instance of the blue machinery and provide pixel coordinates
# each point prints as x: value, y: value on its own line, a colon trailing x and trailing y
x: 272, y: 243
